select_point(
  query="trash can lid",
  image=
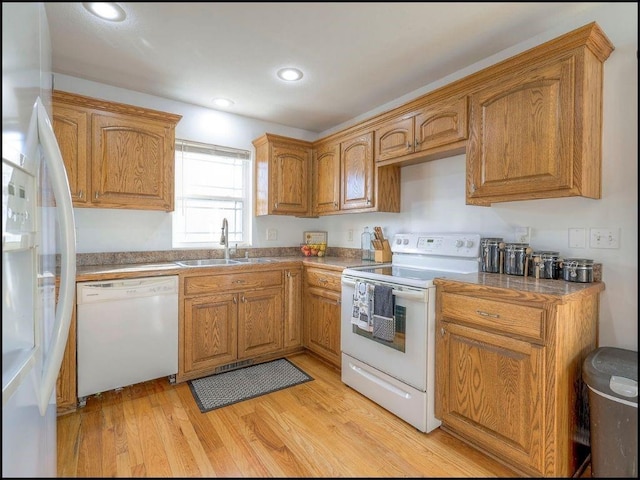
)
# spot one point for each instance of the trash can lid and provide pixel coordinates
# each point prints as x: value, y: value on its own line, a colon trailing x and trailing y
x: 614, y: 372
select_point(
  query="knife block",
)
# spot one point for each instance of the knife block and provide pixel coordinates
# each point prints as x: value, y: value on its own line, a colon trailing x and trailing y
x: 383, y: 255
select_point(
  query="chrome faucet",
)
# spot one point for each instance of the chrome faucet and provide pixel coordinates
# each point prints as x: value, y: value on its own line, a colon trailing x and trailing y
x: 224, y: 238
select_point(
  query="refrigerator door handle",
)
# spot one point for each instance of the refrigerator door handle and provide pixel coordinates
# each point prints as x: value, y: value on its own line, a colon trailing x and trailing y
x: 62, y: 193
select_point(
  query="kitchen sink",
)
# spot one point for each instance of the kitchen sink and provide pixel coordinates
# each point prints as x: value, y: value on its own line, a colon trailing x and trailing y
x: 207, y: 262
x: 253, y: 260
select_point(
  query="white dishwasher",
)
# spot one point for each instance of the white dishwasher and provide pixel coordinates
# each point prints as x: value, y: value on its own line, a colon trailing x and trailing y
x: 127, y: 332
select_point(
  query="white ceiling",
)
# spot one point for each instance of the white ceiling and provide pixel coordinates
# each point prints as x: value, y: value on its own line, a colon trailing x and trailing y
x: 355, y: 56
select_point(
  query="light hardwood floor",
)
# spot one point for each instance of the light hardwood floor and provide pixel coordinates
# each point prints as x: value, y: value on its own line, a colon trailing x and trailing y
x: 320, y: 428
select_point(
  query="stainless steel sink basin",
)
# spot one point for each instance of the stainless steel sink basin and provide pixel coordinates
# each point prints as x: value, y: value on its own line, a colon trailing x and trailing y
x: 207, y: 262
x: 253, y: 260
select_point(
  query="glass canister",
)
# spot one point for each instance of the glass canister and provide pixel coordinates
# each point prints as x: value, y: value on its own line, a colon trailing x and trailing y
x: 546, y: 264
x: 577, y: 270
x: 515, y: 258
x: 490, y: 254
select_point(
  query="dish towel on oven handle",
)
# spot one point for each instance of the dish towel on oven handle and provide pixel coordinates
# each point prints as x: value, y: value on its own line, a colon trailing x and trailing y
x: 383, y: 320
x: 362, y: 306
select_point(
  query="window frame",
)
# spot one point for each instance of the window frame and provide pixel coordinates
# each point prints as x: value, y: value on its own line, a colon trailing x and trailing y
x: 180, y: 238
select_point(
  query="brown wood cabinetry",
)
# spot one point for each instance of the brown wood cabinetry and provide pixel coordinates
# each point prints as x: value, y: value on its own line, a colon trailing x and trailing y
x: 293, y: 286
x: 67, y: 382
x: 508, y: 372
x: 230, y: 317
x: 536, y: 126
x: 438, y: 126
x: 326, y: 178
x: 322, y: 312
x: 116, y: 155
x: 346, y: 179
x: 357, y: 172
x: 282, y: 172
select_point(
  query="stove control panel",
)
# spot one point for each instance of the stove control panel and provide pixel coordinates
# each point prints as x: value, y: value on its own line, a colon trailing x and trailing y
x: 465, y: 245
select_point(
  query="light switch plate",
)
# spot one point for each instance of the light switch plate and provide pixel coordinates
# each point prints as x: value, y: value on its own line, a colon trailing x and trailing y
x: 604, y: 237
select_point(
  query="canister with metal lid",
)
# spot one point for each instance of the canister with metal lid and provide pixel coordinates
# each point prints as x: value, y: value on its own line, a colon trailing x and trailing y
x: 515, y: 258
x: 490, y: 254
x: 577, y: 270
x: 545, y: 265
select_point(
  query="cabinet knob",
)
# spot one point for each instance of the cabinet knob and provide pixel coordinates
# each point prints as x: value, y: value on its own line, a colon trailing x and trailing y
x: 368, y: 201
x: 97, y: 195
x: 288, y: 274
x: 442, y: 331
x: 244, y: 300
x: 408, y: 144
x: 81, y: 194
x: 416, y: 143
x: 235, y: 299
x: 275, y: 205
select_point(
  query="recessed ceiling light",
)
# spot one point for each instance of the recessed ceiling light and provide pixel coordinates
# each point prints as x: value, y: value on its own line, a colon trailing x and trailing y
x: 106, y: 10
x: 289, y: 74
x: 223, y: 102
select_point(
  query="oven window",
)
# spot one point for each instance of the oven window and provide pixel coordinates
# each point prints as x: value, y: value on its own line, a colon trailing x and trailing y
x: 387, y: 331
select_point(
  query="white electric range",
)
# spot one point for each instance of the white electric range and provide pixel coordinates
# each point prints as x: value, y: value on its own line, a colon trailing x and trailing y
x: 388, y: 322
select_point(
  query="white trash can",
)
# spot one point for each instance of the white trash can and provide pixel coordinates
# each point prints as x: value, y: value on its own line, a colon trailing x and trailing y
x: 612, y: 377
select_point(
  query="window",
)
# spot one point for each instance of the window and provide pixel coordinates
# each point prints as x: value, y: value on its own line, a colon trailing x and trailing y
x: 212, y: 183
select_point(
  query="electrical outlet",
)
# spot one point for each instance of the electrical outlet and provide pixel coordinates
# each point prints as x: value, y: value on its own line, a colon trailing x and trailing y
x: 523, y: 235
x: 272, y: 234
x: 577, y: 238
x: 604, y: 237
x: 350, y: 235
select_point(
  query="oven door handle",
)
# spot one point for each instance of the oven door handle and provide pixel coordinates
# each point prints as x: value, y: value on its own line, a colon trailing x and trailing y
x: 413, y: 295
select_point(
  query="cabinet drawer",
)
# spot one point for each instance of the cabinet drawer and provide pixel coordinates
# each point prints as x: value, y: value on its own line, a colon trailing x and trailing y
x: 238, y: 281
x: 317, y: 277
x: 500, y: 317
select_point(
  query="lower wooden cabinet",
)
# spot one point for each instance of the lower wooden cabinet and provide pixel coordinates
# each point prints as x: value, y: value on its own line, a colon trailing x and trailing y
x: 293, y: 279
x: 509, y: 373
x: 322, y: 311
x: 230, y: 318
x: 67, y: 385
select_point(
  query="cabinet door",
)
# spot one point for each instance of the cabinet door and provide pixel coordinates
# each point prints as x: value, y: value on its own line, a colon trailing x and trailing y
x: 132, y: 163
x: 394, y: 138
x: 260, y: 320
x: 326, y: 178
x: 357, y: 170
x: 66, y: 385
x: 210, y: 331
x: 289, y: 180
x: 490, y: 389
x: 293, y: 308
x: 522, y: 136
x: 322, y: 324
x: 441, y: 123
x: 71, y: 127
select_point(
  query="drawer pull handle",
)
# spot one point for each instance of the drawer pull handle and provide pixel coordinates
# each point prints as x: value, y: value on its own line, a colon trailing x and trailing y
x: 486, y: 314
x: 323, y: 280
x: 238, y: 281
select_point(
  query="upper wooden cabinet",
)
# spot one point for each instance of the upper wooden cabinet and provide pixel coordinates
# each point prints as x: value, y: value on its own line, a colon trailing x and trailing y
x: 345, y: 178
x: 282, y: 167
x: 436, y: 127
x: 116, y: 155
x: 536, y: 125
x: 357, y: 172
x: 326, y: 178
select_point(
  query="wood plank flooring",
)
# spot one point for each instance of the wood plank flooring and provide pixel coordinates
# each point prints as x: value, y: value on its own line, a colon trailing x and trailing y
x: 320, y: 428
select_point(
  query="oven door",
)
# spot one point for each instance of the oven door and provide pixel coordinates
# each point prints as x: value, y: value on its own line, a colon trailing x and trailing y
x: 405, y: 356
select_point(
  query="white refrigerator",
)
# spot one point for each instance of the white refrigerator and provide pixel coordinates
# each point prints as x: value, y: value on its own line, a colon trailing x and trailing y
x: 38, y: 233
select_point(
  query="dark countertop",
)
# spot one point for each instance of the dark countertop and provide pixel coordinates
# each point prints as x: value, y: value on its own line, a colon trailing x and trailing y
x: 103, y: 272
x: 551, y: 289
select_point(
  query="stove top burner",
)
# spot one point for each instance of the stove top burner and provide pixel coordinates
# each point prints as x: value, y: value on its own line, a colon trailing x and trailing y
x: 418, y: 258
